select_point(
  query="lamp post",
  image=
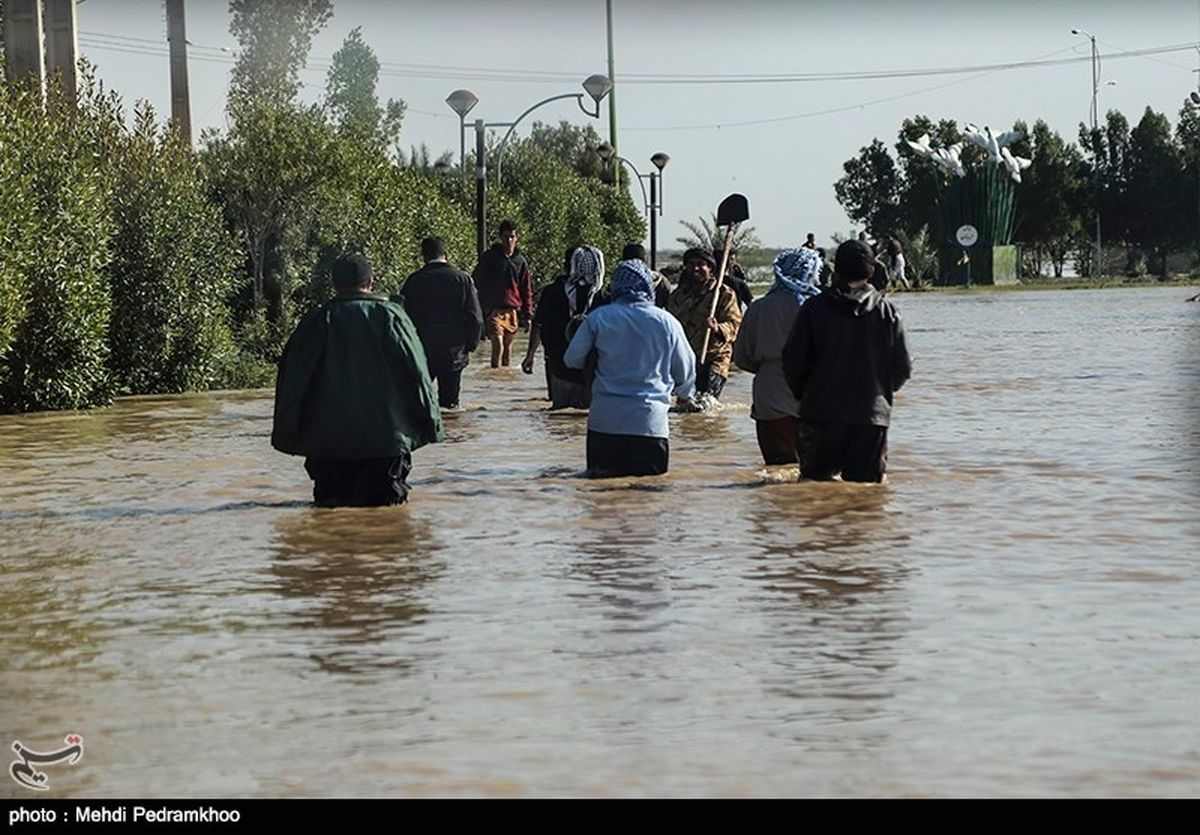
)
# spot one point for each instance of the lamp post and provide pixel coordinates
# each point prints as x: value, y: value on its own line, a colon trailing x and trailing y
x: 653, y: 202
x: 461, y: 102
x: 596, y: 86
x: 1195, y: 97
x: 1095, y: 138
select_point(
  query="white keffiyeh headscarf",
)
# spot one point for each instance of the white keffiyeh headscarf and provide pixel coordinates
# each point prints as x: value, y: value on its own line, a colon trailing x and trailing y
x: 587, y: 274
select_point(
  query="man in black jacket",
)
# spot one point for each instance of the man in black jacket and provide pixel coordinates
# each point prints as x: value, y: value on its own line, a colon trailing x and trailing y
x: 442, y: 303
x: 844, y: 360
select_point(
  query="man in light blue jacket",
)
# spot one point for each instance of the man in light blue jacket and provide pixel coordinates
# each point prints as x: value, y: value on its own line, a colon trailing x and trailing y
x: 642, y: 357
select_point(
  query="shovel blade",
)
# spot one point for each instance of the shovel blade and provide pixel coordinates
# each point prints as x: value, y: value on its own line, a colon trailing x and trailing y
x: 733, y: 209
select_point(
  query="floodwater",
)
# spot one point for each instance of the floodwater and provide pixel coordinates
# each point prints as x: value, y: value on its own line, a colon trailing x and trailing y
x: 1013, y: 613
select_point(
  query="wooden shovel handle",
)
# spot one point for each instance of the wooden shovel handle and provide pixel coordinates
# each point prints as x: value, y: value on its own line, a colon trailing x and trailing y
x: 712, y: 310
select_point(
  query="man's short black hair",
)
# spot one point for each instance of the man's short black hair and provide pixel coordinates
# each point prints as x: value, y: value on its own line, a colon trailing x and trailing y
x: 433, y: 248
x: 633, y: 252
x: 351, y: 272
x: 507, y: 226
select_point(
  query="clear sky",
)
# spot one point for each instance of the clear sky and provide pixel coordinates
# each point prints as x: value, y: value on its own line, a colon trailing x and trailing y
x: 780, y: 142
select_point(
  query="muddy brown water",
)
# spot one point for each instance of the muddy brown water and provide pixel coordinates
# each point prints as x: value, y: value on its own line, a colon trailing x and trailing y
x: 1013, y: 613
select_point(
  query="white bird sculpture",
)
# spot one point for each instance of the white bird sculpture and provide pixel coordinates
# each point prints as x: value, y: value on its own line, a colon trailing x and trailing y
x: 949, y: 161
x: 990, y: 142
x: 921, y: 147
x: 1014, y: 164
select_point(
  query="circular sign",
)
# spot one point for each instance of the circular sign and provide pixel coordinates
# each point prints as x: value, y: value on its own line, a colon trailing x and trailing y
x: 967, y: 235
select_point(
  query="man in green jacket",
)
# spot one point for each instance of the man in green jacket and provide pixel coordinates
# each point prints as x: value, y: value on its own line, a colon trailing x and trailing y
x: 353, y: 394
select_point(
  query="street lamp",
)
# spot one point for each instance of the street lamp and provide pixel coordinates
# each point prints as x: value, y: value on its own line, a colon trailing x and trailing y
x: 654, y: 202
x: 1095, y: 138
x: 596, y: 86
x: 461, y: 102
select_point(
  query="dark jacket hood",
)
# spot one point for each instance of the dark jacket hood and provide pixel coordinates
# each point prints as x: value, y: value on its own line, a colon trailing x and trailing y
x: 857, y: 301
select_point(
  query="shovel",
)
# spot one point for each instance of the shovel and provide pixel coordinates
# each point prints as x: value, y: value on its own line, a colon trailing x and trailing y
x: 732, y: 211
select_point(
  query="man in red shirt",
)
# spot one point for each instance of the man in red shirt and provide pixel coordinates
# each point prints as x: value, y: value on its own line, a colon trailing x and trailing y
x: 505, y: 293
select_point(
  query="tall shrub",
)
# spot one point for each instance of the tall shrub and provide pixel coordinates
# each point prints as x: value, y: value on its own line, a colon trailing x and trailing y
x: 173, y: 264
x: 56, y: 359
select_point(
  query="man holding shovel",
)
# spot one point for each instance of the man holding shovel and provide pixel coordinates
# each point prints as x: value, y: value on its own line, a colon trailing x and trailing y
x: 711, y: 325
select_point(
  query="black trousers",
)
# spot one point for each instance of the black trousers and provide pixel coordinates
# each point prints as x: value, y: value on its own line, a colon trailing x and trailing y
x: 617, y: 455
x: 856, y: 451
x: 447, y: 373
x: 359, y: 482
x: 708, y: 381
x: 777, y: 439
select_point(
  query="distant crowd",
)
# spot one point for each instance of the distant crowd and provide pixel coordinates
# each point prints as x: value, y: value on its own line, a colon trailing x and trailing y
x: 364, y: 379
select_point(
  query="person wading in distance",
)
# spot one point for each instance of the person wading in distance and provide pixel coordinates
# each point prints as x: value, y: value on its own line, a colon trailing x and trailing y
x: 505, y: 293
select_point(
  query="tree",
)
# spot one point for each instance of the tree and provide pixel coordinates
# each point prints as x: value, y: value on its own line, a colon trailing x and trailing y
x: 422, y: 160
x: 574, y: 145
x: 275, y: 38
x: 173, y: 264
x: 1187, y: 138
x: 1052, y: 191
x: 266, y: 173
x: 351, y: 99
x: 707, y: 235
x: 870, y: 189
x: 57, y: 347
x: 1107, y: 150
x: 1154, y: 190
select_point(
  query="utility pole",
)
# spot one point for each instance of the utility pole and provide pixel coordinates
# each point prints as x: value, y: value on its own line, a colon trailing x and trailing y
x: 612, y: 76
x: 23, y: 42
x: 181, y: 111
x: 62, y: 47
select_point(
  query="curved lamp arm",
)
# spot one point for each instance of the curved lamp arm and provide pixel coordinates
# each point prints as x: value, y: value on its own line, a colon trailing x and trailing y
x: 512, y: 126
x: 640, y: 177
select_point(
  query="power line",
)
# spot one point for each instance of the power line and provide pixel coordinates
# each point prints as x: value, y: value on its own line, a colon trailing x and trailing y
x: 450, y: 72
x: 843, y: 108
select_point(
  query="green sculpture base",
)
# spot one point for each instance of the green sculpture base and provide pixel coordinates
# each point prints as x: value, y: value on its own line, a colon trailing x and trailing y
x: 992, y: 265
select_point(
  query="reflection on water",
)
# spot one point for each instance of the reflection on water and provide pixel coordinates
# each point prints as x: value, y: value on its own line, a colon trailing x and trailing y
x: 358, y: 577
x: 1010, y: 614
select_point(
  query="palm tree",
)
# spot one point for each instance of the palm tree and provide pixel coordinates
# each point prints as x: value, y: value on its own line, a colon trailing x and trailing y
x: 707, y: 235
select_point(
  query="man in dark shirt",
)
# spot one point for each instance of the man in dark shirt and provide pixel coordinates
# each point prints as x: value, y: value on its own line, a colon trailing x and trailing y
x: 442, y: 303
x: 505, y: 293
x: 844, y: 360
x: 560, y: 306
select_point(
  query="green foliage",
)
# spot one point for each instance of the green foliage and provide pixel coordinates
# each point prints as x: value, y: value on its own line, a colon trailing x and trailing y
x: 173, y: 265
x: 275, y: 37
x: 707, y: 235
x: 1053, y: 190
x: 920, y: 256
x: 556, y: 208
x: 870, y: 189
x: 574, y: 145
x: 269, y: 174
x: 58, y: 319
x: 351, y: 99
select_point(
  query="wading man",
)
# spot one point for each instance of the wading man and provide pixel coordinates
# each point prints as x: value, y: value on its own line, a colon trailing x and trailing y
x: 642, y: 357
x: 561, y: 306
x: 505, y: 293
x: 442, y: 304
x: 844, y: 360
x: 691, y: 303
x: 353, y: 394
x: 759, y: 350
